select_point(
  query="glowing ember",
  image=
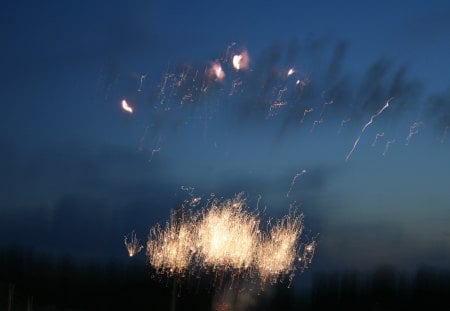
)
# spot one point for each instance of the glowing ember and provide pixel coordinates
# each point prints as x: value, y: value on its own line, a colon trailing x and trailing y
x: 217, y: 72
x: 291, y: 72
x: 126, y: 107
x: 241, y: 61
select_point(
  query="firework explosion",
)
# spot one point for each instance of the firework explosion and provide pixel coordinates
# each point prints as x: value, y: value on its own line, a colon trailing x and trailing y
x: 226, y: 237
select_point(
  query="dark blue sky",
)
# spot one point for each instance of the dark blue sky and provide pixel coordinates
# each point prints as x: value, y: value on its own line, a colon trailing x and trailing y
x: 77, y: 172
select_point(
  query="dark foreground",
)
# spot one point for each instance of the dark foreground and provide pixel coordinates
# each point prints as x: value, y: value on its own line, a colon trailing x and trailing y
x: 37, y: 282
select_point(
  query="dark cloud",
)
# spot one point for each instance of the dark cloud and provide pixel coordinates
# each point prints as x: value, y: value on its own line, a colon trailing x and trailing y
x: 438, y: 110
x: 337, y: 58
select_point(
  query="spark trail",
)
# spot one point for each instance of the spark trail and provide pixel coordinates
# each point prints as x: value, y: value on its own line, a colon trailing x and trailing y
x: 142, y: 78
x: 132, y: 244
x: 343, y: 122
x: 413, y: 130
x: 386, y: 105
x: 309, y: 110
x: 386, y: 147
x: 293, y: 182
x: 378, y: 135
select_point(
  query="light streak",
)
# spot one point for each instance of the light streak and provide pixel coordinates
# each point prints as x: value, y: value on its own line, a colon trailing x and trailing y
x: 386, y: 147
x: 413, y: 130
x: 126, y: 107
x: 378, y: 135
x: 132, y: 244
x: 293, y: 181
x: 386, y: 105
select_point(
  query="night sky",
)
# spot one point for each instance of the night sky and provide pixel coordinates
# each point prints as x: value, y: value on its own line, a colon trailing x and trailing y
x: 77, y: 172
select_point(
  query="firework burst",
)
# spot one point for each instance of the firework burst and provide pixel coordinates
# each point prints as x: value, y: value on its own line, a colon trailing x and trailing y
x: 226, y: 237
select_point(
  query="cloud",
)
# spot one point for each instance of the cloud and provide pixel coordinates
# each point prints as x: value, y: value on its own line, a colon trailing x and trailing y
x: 438, y: 110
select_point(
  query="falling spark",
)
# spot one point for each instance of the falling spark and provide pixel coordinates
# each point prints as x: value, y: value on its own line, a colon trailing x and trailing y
x: 308, y: 110
x: 241, y: 61
x: 366, y: 125
x: 274, y: 107
x: 126, y: 107
x: 378, y: 135
x: 293, y: 181
x: 234, y: 86
x: 142, y: 81
x: 386, y: 148
x: 343, y: 122
x: 257, y: 203
x: 413, y: 130
x: 308, y: 254
x: 132, y: 244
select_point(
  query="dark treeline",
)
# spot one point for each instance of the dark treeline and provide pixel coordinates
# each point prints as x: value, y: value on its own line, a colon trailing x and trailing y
x: 30, y: 281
